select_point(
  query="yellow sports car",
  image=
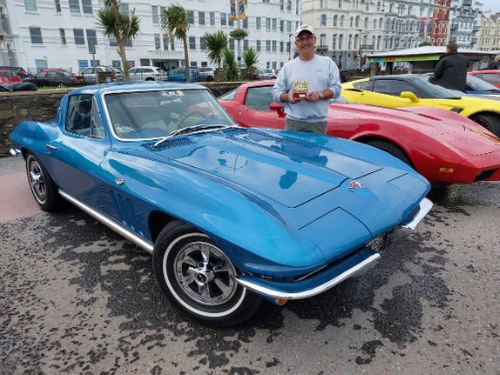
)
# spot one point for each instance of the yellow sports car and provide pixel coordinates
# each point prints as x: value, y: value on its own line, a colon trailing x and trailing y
x: 419, y: 90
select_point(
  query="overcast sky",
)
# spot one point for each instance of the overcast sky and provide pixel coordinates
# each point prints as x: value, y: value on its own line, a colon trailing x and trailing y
x: 494, y: 5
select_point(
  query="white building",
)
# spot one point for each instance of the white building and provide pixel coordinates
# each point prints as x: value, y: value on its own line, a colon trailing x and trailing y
x: 464, y: 22
x: 57, y: 33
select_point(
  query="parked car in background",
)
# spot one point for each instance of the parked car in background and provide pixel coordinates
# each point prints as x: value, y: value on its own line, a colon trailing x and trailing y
x: 20, y: 72
x: 490, y: 76
x: 443, y: 146
x: 9, y: 76
x: 206, y: 74
x: 90, y: 74
x: 57, y: 77
x: 146, y: 73
x: 266, y: 74
x: 179, y: 75
x: 230, y: 215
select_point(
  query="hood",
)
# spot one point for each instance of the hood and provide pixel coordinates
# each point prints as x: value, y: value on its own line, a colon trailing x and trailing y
x: 287, y: 170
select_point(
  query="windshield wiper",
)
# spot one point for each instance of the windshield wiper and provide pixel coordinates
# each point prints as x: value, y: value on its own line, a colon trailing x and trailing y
x: 192, y: 130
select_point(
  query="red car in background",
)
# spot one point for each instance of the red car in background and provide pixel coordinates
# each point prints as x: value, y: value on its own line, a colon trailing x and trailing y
x: 441, y: 145
x: 9, y: 77
x: 490, y: 76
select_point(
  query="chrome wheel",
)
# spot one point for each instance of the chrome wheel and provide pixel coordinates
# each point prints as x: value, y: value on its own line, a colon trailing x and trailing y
x: 205, y: 274
x: 37, y: 181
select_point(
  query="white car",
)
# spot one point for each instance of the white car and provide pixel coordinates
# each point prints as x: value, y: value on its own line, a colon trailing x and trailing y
x: 206, y: 73
x: 266, y: 74
x: 146, y: 73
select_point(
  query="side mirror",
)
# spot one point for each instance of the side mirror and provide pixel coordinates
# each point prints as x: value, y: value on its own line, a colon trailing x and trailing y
x: 277, y: 107
x: 409, y: 95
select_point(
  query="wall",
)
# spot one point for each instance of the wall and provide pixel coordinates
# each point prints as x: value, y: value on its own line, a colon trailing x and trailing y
x: 41, y: 106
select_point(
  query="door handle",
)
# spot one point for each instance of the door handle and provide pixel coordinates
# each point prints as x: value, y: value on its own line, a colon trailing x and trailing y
x: 51, y: 147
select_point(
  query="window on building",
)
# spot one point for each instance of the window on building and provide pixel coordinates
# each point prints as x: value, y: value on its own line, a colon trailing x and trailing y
x: 193, y: 64
x: 124, y: 9
x: 245, y: 45
x: 342, y: 21
x: 223, y: 19
x: 74, y: 6
x: 155, y: 15
x: 268, y: 23
x: 201, y: 18
x: 335, y: 19
x: 273, y: 45
x: 366, y: 23
x: 79, y: 37
x: 231, y: 44
x: 157, y: 42
x: 349, y: 42
x: 268, y: 46
x: 190, y: 15
x: 58, y: 6
x: 87, y: 6
x: 288, y: 26
x: 245, y: 23
x: 112, y: 41
x: 257, y: 23
x: 282, y: 4
x: 36, y: 35
x: 297, y: 6
x: 192, y: 42
x: 274, y: 24
x: 230, y: 21
x: 30, y: 5
x: 212, y: 18
x: 62, y: 33
x: 322, y: 40
x: 91, y: 37
x: 282, y: 47
x: 322, y: 20
x: 257, y: 47
x: 322, y: 4
x: 357, y: 21
x: 202, y: 43
x: 289, y: 5
x: 334, y: 42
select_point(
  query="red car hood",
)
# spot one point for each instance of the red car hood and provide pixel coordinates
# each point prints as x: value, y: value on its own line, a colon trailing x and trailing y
x: 462, y: 133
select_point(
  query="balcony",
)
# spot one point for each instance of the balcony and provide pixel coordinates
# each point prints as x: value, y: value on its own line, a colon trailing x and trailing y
x: 454, y: 26
x: 366, y: 46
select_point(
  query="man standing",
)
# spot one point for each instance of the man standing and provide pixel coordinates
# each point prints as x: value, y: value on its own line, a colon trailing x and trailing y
x: 451, y: 70
x: 495, y: 64
x: 305, y: 84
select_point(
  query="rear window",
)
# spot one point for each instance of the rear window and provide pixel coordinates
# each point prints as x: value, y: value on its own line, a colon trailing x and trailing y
x: 367, y: 85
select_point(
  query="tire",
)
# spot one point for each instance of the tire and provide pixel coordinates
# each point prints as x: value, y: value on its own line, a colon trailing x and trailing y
x: 186, y: 276
x: 210, y: 79
x: 489, y: 121
x: 41, y: 184
x: 149, y: 79
x: 391, y: 149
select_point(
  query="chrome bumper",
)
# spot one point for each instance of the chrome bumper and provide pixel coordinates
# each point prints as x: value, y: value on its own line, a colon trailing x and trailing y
x: 14, y: 151
x: 425, y: 207
x: 277, y: 294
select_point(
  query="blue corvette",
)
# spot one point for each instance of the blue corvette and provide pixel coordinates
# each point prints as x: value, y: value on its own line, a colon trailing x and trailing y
x: 230, y: 215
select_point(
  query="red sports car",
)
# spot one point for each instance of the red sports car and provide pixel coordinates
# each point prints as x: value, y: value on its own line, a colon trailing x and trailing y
x: 490, y: 76
x: 441, y: 145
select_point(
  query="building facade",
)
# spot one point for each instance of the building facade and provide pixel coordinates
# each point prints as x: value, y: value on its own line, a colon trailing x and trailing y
x: 464, y: 22
x: 489, y: 32
x: 58, y: 33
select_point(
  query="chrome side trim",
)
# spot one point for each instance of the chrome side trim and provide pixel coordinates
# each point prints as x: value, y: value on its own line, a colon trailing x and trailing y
x: 314, y: 291
x: 14, y: 151
x: 110, y: 223
x: 425, y: 207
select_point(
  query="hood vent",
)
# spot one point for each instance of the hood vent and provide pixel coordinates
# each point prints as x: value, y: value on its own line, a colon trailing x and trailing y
x: 170, y: 143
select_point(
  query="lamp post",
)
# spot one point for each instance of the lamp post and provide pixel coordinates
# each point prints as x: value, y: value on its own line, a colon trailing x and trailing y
x: 289, y: 46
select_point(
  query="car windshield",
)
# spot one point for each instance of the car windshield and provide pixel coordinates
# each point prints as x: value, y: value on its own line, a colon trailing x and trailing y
x: 429, y: 88
x: 155, y: 114
x: 478, y: 84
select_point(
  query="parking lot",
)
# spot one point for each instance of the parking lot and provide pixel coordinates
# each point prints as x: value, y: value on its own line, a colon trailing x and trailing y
x: 77, y: 298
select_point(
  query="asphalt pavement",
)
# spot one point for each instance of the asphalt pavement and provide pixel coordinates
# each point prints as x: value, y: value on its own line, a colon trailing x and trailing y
x: 76, y: 298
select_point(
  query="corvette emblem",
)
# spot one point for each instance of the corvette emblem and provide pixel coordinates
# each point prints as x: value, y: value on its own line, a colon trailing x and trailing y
x: 353, y: 185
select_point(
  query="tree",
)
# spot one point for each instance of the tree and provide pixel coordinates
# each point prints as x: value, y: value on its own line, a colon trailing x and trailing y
x: 174, y: 20
x: 215, y: 44
x: 422, y: 44
x: 122, y: 27
x: 238, y: 34
x: 250, y: 58
x: 230, y: 67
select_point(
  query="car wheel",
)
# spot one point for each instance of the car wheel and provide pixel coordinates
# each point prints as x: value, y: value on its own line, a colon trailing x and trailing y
x: 489, y: 121
x: 149, y: 79
x: 391, y: 149
x: 210, y: 79
x: 199, y: 277
x: 41, y: 184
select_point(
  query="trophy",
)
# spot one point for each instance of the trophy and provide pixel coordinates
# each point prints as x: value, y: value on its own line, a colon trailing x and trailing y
x: 300, y: 89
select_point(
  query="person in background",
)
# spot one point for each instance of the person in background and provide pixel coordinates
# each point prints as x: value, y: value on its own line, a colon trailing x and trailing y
x: 495, y: 64
x: 305, y: 84
x: 451, y: 70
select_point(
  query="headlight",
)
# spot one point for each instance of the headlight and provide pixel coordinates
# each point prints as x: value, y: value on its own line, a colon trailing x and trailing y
x: 456, y: 110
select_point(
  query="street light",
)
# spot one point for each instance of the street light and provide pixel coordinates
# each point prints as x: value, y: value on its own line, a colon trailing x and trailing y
x: 289, y: 46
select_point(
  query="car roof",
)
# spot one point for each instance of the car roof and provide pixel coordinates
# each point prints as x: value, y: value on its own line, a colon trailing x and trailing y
x: 485, y: 71
x: 109, y: 88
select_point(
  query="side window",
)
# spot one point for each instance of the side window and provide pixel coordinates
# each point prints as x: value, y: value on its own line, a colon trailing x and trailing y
x: 259, y: 98
x: 367, y: 85
x: 78, y: 118
x: 96, y: 125
x: 391, y: 87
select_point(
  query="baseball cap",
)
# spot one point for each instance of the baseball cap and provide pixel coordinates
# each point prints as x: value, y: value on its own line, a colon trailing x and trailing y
x: 304, y: 27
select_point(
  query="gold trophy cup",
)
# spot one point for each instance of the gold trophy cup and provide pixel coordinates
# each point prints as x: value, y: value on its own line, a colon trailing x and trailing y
x: 300, y: 89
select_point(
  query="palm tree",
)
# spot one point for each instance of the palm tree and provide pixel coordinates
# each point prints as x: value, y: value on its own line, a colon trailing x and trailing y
x: 122, y: 27
x: 238, y: 34
x: 174, y: 20
x: 250, y: 57
x: 230, y: 67
x: 215, y: 44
